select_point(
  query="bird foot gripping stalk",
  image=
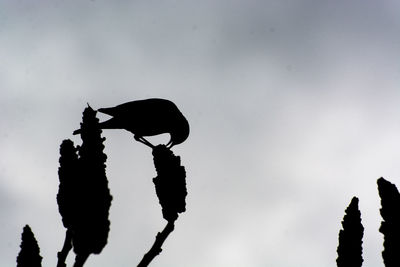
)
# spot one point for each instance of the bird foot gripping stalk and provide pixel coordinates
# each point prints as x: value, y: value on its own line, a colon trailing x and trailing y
x: 141, y: 139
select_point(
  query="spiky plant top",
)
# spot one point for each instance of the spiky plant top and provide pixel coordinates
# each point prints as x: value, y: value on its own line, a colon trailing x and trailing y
x: 68, y: 177
x: 390, y: 227
x: 170, y: 182
x: 84, y: 198
x: 29, y: 255
x: 350, y: 237
x: 90, y: 232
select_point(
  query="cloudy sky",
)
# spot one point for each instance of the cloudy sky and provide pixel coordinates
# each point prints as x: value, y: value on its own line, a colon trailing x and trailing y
x: 294, y: 108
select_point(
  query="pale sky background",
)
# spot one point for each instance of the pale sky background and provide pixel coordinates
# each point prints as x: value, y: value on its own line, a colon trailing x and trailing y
x: 294, y: 108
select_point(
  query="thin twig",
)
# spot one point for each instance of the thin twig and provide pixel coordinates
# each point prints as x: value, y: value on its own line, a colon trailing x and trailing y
x: 80, y: 260
x: 156, y: 248
x: 62, y: 255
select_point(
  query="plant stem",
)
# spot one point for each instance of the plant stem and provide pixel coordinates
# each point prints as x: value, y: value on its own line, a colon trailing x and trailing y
x: 80, y: 260
x: 62, y: 255
x: 156, y: 248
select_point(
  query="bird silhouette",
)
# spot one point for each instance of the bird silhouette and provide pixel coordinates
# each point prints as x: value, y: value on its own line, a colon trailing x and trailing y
x: 147, y: 117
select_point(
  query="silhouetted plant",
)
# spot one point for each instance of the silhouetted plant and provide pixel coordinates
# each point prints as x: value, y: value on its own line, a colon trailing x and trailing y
x: 390, y: 227
x: 84, y: 198
x: 29, y: 255
x: 90, y: 230
x: 170, y: 185
x: 66, y: 199
x: 350, y: 238
x: 170, y: 182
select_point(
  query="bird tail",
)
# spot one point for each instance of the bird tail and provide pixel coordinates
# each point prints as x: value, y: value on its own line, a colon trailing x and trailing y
x: 108, y: 111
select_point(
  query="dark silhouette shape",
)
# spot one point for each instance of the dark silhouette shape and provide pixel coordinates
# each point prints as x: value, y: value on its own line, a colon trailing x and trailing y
x: 390, y: 226
x: 170, y: 182
x: 84, y: 198
x: 147, y: 118
x: 66, y: 200
x: 90, y: 231
x: 350, y: 238
x: 29, y: 255
x: 171, y: 190
x: 156, y: 248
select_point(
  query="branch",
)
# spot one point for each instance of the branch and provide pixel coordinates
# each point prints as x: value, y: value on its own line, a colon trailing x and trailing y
x: 156, y: 248
x: 80, y: 260
x: 62, y: 255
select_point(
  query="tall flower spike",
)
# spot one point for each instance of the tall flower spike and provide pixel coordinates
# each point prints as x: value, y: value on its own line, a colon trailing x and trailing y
x: 67, y: 174
x: 171, y: 191
x: 66, y: 199
x: 390, y: 227
x: 350, y: 238
x: 90, y: 230
x: 170, y: 182
x: 29, y: 256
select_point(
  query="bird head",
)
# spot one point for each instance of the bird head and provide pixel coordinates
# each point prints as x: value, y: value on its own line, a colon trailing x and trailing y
x: 179, y: 134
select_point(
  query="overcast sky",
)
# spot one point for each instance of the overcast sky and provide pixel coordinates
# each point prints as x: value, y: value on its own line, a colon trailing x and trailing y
x: 293, y: 107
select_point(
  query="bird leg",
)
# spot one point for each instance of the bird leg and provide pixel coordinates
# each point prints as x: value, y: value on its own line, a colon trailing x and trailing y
x: 169, y: 145
x: 141, y: 139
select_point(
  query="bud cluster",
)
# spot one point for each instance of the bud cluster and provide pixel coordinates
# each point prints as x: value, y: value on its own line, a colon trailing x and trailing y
x: 170, y: 182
